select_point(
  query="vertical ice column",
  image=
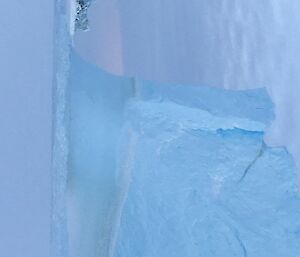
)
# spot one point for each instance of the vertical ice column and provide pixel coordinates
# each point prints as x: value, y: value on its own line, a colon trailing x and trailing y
x: 96, y: 102
x: 232, y: 44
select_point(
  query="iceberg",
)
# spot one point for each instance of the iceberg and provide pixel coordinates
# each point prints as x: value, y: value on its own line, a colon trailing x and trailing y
x: 175, y: 170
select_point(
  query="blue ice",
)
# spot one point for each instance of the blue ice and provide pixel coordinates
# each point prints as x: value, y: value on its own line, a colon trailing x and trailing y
x: 169, y: 170
x: 96, y: 103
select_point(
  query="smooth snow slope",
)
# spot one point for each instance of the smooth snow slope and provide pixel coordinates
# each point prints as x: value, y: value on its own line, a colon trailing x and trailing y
x: 234, y: 44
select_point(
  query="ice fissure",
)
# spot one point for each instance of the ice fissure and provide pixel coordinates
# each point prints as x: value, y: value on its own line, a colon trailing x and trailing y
x: 260, y: 153
x: 172, y: 170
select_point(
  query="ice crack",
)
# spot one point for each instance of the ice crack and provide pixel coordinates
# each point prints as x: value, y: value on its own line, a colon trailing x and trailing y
x: 260, y: 153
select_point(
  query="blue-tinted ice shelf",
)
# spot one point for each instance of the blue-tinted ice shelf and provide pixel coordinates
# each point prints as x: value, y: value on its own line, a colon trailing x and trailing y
x: 161, y: 170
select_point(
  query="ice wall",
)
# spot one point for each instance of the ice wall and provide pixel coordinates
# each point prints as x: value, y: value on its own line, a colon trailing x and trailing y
x: 164, y: 169
x: 188, y: 172
x: 233, y: 44
x: 96, y: 102
x: 201, y: 181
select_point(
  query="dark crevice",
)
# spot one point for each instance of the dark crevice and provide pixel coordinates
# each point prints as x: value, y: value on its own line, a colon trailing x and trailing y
x: 260, y: 153
x: 243, y: 247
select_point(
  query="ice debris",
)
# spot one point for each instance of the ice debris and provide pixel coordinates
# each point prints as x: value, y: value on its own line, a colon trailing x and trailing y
x: 81, y: 18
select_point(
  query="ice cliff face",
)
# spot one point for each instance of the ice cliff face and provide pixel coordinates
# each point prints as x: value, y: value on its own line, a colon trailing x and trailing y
x: 97, y: 100
x: 164, y: 170
x: 231, y: 44
x: 172, y: 170
x: 201, y: 181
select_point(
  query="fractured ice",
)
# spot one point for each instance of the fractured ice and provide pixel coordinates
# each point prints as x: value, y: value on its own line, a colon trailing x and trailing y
x: 169, y: 170
x: 202, y: 182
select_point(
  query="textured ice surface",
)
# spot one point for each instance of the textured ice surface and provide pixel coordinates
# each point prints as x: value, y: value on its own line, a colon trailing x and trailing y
x: 168, y: 170
x: 201, y: 182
